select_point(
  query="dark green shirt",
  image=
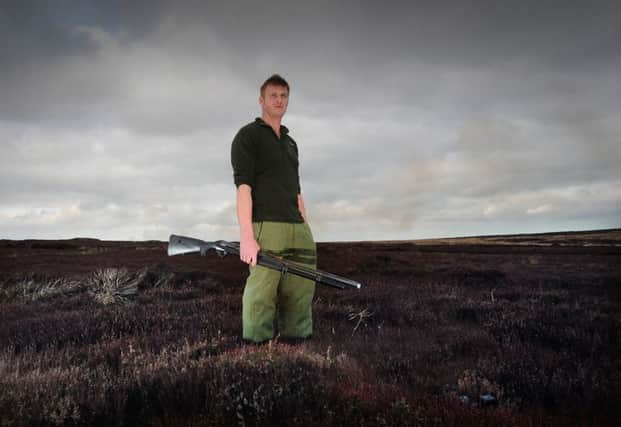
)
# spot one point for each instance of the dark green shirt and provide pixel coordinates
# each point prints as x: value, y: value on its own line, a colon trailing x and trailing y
x: 269, y: 165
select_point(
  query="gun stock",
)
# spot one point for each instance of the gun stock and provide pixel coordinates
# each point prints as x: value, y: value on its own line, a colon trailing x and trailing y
x: 179, y: 245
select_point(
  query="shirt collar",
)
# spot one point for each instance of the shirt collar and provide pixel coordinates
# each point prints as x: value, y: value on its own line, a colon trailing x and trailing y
x: 283, y: 128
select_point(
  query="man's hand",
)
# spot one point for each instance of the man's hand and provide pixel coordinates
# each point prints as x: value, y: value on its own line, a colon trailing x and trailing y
x: 248, y: 250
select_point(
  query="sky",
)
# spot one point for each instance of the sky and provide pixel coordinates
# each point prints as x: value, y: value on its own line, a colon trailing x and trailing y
x: 414, y: 119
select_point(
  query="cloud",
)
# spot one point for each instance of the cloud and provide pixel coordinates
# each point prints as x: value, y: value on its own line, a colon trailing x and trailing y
x: 412, y: 121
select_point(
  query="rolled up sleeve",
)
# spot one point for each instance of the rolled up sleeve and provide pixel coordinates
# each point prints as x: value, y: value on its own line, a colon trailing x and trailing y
x: 243, y: 159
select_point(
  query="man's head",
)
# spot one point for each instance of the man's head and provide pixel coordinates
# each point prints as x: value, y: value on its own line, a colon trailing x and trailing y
x: 274, y: 97
x: 274, y: 80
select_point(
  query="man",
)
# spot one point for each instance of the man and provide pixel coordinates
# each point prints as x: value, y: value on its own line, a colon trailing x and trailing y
x: 272, y: 217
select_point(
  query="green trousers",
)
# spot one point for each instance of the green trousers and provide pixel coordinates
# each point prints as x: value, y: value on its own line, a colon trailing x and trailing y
x: 273, y: 300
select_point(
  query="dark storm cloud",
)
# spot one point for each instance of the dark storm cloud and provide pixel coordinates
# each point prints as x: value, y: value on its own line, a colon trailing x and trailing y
x: 418, y: 117
x: 48, y: 60
x: 462, y: 32
x: 333, y: 49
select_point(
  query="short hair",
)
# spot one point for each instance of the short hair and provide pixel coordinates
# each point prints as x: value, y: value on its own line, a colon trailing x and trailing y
x: 274, y: 80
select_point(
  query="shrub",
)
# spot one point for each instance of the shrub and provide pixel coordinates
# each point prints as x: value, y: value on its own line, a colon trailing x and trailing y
x: 114, y: 286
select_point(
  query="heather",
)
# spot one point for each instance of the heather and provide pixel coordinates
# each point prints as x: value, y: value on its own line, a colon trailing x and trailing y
x: 490, y: 331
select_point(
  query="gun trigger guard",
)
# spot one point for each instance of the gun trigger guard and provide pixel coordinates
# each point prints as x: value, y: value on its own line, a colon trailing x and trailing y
x: 221, y: 254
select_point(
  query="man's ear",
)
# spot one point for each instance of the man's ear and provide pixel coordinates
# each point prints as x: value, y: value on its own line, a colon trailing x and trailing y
x: 261, y: 101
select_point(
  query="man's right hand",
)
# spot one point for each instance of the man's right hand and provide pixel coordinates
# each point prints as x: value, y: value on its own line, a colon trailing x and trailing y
x: 249, y: 250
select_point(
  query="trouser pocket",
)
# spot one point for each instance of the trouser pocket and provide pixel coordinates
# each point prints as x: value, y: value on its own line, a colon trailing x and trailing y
x: 257, y: 227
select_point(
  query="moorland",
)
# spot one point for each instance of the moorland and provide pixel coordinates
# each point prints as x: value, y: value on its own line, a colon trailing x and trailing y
x: 519, y: 330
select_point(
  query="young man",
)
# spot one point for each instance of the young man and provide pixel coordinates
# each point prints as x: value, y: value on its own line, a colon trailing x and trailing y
x: 272, y: 217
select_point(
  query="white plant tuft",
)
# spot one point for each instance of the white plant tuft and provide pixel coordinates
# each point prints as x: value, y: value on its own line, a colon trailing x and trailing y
x: 114, y: 286
x: 38, y: 289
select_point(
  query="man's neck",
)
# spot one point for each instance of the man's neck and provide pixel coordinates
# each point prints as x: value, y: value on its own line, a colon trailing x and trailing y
x: 273, y: 122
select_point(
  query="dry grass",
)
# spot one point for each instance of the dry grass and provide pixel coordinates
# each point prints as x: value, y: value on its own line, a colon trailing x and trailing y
x: 114, y: 286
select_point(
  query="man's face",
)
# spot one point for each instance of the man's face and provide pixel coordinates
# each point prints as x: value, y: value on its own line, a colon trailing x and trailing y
x: 274, y: 101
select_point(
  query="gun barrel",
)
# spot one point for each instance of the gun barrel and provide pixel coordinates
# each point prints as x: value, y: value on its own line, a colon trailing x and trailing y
x: 317, y: 276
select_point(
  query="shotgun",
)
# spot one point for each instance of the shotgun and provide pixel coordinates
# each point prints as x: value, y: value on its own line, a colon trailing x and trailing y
x: 178, y: 245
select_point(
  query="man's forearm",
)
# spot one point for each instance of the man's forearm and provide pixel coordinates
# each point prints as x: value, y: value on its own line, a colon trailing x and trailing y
x: 248, y: 246
x: 301, y: 207
x: 244, y: 210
